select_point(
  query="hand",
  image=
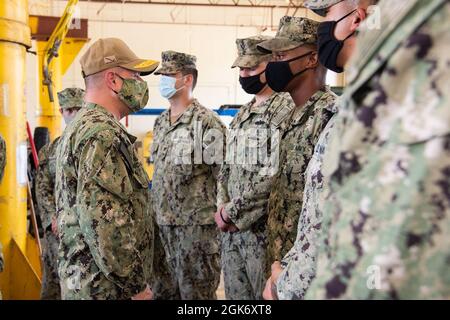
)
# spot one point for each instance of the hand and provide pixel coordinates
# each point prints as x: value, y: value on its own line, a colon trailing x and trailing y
x: 218, y: 219
x: 147, y: 294
x: 55, y: 226
x: 227, y: 226
x: 276, y: 271
x: 269, y: 292
x: 230, y: 226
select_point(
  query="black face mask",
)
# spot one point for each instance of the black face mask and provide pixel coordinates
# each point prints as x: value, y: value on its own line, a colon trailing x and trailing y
x: 279, y: 74
x: 329, y: 46
x: 252, y: 84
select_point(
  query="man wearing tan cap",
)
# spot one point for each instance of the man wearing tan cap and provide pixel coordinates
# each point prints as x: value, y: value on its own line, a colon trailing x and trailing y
x: 244, y: 187
x: 102, y: 198
x: 295, y: 69
x: 184, y: 184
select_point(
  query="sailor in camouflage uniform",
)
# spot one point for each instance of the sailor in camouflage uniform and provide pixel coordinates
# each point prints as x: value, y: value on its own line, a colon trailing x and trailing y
x: 70, y: 101
x: 293, y: 276
x: 187, y: 151
x: 388, y: 226
x: 315, y: 105
x: 244, y: 186
x: 102, y: 197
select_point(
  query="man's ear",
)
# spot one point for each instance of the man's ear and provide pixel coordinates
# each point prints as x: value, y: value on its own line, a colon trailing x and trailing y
x: 313, y: 60
x: 189, y: 79
x: 357, y: 19
x: 61, y: 111
x: 110, y: 80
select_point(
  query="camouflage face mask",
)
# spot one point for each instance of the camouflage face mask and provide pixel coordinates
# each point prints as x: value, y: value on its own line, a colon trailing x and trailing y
x: 134, y: 93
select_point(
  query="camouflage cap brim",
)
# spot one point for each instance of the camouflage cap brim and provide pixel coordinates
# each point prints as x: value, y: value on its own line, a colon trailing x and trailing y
x: 320, y: 4
x: 250, y: 61
x: 278, y: 44
x: 144, y: 67
x: 168, y: 69
x: 164, y: 70
x: 71, y: 106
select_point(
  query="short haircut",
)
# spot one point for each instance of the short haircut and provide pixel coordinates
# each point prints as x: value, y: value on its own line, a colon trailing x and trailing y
x: 92, y: 81
x: 193, y: 72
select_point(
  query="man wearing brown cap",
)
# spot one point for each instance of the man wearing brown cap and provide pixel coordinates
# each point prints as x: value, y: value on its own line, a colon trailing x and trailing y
x: 187, y: 151
x: 292, y: 277
x: 295, y: 69
x: 244, y: 187
x: 102, y: 197
x: 70, y: 101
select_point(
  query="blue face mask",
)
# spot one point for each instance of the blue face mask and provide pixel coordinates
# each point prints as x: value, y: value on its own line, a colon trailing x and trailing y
x: 167, y: 87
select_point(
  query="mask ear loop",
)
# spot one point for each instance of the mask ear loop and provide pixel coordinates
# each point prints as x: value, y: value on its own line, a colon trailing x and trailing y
x: 180, y: 88
x: 115, y: 80
x: 299, y: 57
x: 347, y: 15
x: 302, y: 56
x: 259, y: 75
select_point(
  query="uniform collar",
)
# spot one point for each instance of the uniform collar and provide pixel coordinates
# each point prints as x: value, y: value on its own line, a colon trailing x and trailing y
x: 185, y: 117
x: 262, y: 107
x: 101, y: 109
x: 299, y: 111
x: 249, y: 109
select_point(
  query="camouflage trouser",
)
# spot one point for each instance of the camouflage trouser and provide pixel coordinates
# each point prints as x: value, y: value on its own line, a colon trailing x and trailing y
x: 193, y: 263
x: 244, y: 265
x: 50, y: 280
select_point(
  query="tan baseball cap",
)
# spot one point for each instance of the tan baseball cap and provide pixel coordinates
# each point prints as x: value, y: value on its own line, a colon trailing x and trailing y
x: 110, y: 53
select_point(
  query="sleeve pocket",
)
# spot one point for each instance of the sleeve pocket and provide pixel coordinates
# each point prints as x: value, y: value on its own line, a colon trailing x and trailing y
x: 117, y: 183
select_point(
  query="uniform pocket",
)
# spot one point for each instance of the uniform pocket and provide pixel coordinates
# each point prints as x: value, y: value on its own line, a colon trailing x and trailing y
x: 114, y: 177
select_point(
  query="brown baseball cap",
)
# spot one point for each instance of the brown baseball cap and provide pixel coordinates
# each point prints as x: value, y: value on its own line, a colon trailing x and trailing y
x: 110, y: 53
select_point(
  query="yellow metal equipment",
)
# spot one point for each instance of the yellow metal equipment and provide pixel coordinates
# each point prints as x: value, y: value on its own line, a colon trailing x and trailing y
x: 14, y: 40
x: 21, y: 276
x: 146, y: 146
x: 56, y: 52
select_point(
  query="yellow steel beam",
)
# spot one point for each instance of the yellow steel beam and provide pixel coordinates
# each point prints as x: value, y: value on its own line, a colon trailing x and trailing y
x: 69, y: 51
x: 14, y: 40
